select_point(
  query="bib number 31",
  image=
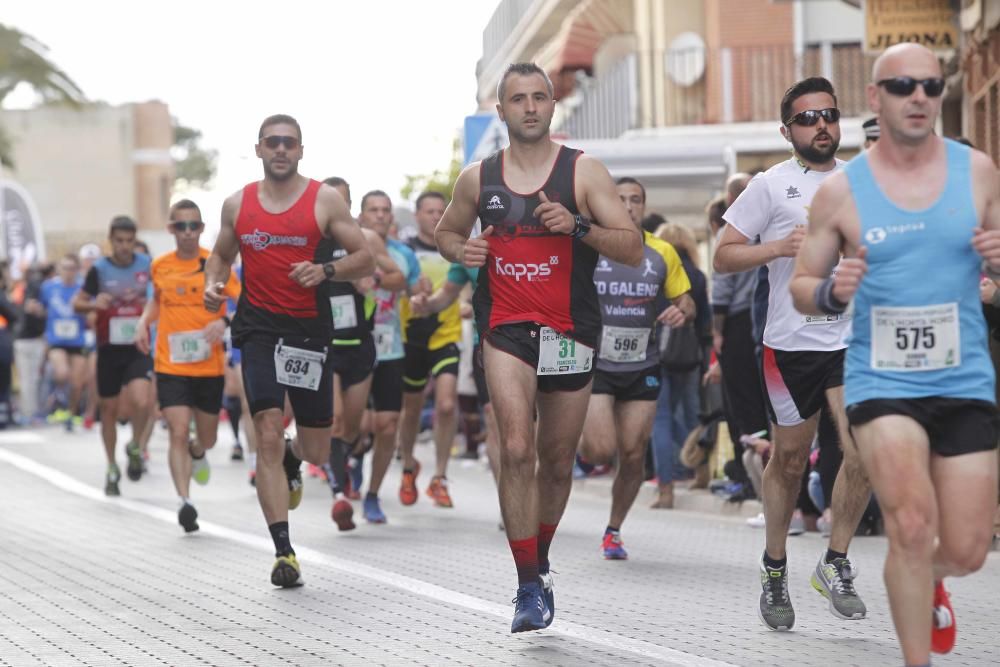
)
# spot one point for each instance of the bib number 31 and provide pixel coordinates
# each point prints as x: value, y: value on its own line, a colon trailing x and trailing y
x: 561, y: 355
x: 295, y: 367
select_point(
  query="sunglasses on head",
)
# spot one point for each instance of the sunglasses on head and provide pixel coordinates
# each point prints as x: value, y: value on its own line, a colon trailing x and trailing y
x: 275, y: 140
x: 187, y: 226
x: 810, y: 117
x: 904, y: 86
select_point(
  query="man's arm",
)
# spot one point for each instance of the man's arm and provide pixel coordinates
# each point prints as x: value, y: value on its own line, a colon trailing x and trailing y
x: 85, y: 300
x: 219, y: 264
x: 612, y: 234
x: 734, y: 252
x: 150, y: 314
x: 986, y: 190
x: 387, y: 272
x: 459, y: 218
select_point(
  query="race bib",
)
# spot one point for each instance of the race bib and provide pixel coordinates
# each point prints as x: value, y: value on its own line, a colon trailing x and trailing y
x: 924, y: 338
x: 561, y: 355
x: 624, y: 344
x: 345, y: 316
x: 385, y: 339
x: 188, y: 347
x: 121, y: 330
x: 298, y: 368
x: 66, y: 329
x: 825, y: 319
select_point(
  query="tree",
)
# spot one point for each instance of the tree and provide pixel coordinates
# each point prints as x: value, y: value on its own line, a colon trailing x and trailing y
x: 437, y: 181
x: 195, y: 165
x: 23, y: 59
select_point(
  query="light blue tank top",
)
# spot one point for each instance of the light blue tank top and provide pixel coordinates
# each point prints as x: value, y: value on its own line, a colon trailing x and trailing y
x: 918, y: 327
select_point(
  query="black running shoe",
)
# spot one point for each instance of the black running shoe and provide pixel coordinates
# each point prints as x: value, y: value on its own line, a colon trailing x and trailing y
x: 188, y: 518
x: 135, y: 464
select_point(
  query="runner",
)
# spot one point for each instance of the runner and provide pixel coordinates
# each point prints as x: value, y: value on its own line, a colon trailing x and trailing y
x: 88, y: 255
x: 115, y: 288
x: 919, y: 385
x: 537, y: 311
x: 190, y: 357
x: 65, y: 334
x: 803, y: 355
x: 283, y: 227
x: 431, y: 345
x: 627, y: 382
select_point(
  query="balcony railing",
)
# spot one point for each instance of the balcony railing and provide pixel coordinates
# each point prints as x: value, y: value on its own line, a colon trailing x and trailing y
x: 506, y: 17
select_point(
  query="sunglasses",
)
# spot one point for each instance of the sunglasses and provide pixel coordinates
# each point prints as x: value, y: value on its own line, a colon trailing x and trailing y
x: 275, y: 140
x: 187, y: 226
x: 810, y: 117
x: 904, y: 86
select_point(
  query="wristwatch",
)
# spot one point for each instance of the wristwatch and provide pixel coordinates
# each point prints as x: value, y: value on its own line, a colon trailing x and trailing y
x: 329, y: 270
x: 581, y: 227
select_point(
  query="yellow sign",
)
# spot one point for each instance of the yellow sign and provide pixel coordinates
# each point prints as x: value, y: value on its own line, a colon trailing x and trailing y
x: 933, y: 23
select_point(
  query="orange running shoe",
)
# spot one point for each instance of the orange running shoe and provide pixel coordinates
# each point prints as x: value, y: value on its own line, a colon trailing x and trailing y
x: 315, y: 472
x: 943, y: 630
x: 408, y: 493
x: 438, y: 491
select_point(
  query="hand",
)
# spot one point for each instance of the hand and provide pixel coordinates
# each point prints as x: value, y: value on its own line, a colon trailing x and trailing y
x: 307, y: 274
x: 987, y: 288
x: 142, y: 337
x: 554, y: 216
x: 848, y: 274
x: 987, y: 244
x: 713, y: 375
x: 418, y: 304
x: 465, y: 311
x: 213, y: 297
x: 672, y: 317
x: 103, y: 301
x: 424, y: 286
x: 476, y: 250
x: 789, y: 246
x: 717, y: 341
x: 214, y: 331
x: 364, y: 285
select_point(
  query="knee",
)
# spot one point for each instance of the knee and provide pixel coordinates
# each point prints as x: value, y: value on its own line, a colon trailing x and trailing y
x: 445, y: 408
x: 911, y: 529
x: 517, y: 452
x: 387, y: 425
x: 632, y: 458
x: 966, y: 557
x: 789, y: 464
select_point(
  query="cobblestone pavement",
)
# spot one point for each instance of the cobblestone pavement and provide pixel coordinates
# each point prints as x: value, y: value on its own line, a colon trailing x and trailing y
x: 92, y: 581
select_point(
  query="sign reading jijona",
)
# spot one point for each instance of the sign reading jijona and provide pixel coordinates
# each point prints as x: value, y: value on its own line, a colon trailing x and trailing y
x: 933, y: 23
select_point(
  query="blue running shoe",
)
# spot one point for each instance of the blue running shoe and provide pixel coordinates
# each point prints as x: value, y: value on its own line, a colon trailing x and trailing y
x: 373, y: 511
x: 550, y: 597
x: 613, y: 547
x: 530, y: 612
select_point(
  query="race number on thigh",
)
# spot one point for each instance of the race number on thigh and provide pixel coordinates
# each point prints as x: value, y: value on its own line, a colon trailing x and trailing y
x: 561, y: 355
x: 922, y: 338
x: 295, y: 367
x: 121, y: 330
x: 188, y: 347
x: 624, y: 344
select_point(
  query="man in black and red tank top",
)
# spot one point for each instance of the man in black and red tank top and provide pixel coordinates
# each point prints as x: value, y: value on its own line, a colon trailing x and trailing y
x: 283, y: 226
x: 548, y: 212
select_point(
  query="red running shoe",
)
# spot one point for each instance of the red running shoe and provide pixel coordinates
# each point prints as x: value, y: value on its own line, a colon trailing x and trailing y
x: 315, y: 471
x: 343, y: 514
x: 438, y: 491
x: 408, y: 493
x: 943, y: 630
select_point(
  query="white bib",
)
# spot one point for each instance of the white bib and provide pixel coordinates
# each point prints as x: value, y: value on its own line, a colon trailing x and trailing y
x: 624, y: 344
x: 923, y: 338
x: 188, y: 347
x: 344, y: 314
x: 385, y: 339
x: 121, y: 330
x: 66, y: 328
x: 561, y: 355
x: 295, y: 367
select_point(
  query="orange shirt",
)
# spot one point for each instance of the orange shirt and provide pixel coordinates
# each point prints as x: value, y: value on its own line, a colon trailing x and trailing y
x: 180, y: 347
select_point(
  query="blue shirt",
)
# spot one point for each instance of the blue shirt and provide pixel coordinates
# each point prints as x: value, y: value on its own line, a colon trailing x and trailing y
x: 63, y: 326
x: 388, y: 332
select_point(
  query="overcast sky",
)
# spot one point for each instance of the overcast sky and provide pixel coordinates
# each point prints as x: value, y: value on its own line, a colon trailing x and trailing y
x: 380, y: 87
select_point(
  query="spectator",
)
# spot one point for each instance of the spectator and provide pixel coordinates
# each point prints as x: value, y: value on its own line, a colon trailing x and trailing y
x: 8, y: 318
x: 29, y: 343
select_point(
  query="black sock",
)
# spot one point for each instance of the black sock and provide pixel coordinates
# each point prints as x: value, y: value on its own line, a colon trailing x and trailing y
x: 234, y: 408
x: 371, y: 496
x: 611, y: 529
x: 291, y: 461
x: 338, y: 464
x: 282, y: 543
x: 773, y: 563
x: 831, y: 554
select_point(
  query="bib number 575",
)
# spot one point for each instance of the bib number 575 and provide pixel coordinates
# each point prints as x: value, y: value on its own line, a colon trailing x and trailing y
x: 915, y: 338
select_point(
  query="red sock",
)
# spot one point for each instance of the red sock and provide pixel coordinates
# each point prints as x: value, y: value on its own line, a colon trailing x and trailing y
x: 525, y: 559
x: 545, y: 533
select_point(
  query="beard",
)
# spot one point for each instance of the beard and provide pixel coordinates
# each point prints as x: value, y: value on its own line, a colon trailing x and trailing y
x: 811, y: 153
x: 529, y: 136
x: 281, y: 176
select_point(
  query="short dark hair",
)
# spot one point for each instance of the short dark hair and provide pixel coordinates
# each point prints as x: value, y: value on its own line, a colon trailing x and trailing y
x: 813, y: 84
x: 184, y: 204
x: 625, y: 180
x: 522, y: 69
x: 122, y: 223
x: 334, y: 181
x: 279, y: 119
x: 374, y: 193
x: 652, y: 222
x: 433, y: 194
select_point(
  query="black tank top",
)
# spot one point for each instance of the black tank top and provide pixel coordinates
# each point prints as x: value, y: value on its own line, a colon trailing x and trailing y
x: 352, y: 319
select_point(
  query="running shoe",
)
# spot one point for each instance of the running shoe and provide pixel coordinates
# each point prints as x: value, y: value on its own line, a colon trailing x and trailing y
x: 438, y: 491
x: 355, y: 478
x: 134, y: 469
x: 252, y: 478
x: 188, y: 518
x: 757, y: 521
x: 530, y: 612
x: 286, y: 572
x: 237, y: 454
x: 373, y: 510
x: 408, y: 493
x: 550, y: 597
x: 775, y: 608
x: 292, y: 471
x: 943, y: 630
x: 797, y: 525
x: 342, y: 514
x: 613, y: 548
x: 835, y: 582
x: 200, y: 470
x: 315, y: 471
x: 88, y: 423
x: 111, y: 481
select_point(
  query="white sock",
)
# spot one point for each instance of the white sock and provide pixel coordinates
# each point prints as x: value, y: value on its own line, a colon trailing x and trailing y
x: 185, y: 501
x: 252, y: 461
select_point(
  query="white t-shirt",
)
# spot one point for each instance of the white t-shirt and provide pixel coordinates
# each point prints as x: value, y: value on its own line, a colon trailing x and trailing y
x: 773, y: 203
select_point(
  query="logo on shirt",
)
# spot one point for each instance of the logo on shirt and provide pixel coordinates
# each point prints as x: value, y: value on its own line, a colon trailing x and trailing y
x: 879, y: 234
x: 262, y: 240
x: 530, y: 272
x: 792, y: 192
x: 495, y: 204
x: 649, y: 270
x: 603, y: 265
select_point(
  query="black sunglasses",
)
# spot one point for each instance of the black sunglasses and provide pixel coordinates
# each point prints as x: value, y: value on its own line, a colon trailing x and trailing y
x: 904, y: 86
x: 187, y: 226
x: 810, y: 117
x: 275, y: 140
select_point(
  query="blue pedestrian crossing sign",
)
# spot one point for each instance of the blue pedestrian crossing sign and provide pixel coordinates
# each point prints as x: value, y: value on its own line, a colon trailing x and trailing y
x: 484, y: 135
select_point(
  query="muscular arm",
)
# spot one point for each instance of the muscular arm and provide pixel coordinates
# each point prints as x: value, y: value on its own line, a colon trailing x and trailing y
x: 443, y: 297
x: 220, y: 262
x: 359, y: 261
x: 734, y: 252
x: 459, y: 218
x: 391, y: 277
x: 820, y: 251
x: 612, y: 234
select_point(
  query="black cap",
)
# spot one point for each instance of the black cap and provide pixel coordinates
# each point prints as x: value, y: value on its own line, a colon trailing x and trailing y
x: 871, y: 129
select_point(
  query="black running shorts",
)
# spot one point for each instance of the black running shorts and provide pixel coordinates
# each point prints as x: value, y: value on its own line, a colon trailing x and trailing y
x: 353, y: 363
x: 201, y: 393
x: 117, y: 365
x: 795, y: 383
x: 387, y: 386
x: 643, y: 385
x: 422, y: 364
x: 312, y: 409
x: 521, y: 340
x: 954, y: 426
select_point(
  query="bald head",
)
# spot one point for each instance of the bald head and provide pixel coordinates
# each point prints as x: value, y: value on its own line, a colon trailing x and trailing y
x: 906, y: 94
x: 907, y: 59
x: 735, y: 185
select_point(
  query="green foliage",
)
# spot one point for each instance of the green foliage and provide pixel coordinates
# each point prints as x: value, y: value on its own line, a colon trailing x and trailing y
x: 195, y: 166
x: 437, y: 181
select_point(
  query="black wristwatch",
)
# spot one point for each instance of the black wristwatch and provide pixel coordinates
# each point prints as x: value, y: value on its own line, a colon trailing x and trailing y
x: 329, y: 270
x: 581, y: 227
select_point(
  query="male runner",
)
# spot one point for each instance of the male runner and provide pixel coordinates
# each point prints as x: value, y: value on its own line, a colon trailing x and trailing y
x: 431, y: 345
x: 919, y: 382
x: 190, y: 358
x: 282, y: 227
x: 803, y: 355
x: 65, y: 334
x: 115, y: 288
x: 537, y: 311
x: 627, y: 381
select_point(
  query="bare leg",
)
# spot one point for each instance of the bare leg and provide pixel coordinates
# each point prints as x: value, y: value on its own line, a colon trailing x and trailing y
x: 178, y: 417
x: 78, y: 377
x: 634, y: 421
x: 851, y: 491
x: 386, y: 427
x: 966, y: 488
x: 782, y: 480
x: 409, y: 425
x: 139, y: 395
x: 560, y: 422
x: 445, y: 419
x: 599, y: 441
x: 109, y: 426
x: 272, y: 483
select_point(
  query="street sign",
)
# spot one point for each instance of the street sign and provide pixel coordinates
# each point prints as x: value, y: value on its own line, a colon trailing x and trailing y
x: 484, y: 135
